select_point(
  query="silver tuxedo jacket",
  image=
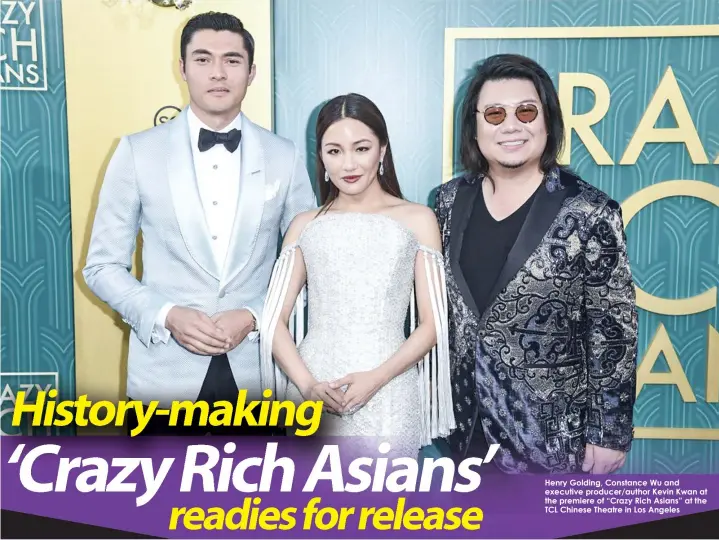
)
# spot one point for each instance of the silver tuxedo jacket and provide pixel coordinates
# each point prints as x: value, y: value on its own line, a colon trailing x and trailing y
x: 150, y: 187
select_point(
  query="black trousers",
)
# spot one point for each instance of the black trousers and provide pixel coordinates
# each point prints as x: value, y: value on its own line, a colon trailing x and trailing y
x: 219, y: 385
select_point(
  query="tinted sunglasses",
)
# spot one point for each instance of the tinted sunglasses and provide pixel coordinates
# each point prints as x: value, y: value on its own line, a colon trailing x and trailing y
x: 525, y: 113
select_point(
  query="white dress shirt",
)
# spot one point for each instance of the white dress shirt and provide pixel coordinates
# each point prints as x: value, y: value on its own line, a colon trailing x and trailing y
x: 217, y: 172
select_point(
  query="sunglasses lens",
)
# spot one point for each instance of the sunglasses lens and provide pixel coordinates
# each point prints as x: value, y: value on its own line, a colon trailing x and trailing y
x: 495, y: 115
x: 527, y: 113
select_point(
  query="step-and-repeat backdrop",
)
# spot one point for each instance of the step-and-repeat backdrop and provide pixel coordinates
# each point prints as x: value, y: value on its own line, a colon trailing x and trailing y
x: 639, y: 84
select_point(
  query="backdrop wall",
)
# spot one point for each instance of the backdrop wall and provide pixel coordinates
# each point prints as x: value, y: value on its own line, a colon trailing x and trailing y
x: 638, y: 82
x: 37, y: 341
x: 412, y: 57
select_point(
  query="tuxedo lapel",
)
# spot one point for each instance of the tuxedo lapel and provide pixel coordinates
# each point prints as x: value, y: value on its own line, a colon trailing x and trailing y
x: 545, y: 207
x: 461, y: 212
x: 186, y: 196
x: 250, y: 203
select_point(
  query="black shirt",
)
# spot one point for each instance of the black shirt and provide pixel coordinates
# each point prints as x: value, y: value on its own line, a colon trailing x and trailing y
x: 485, y: 247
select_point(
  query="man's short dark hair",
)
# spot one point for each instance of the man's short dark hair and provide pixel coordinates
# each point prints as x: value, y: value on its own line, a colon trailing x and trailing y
x: 502, y: 67
x: 213, y: 20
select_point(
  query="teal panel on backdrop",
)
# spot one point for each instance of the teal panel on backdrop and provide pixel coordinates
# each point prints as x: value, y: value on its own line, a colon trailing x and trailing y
x: 37, y: 301
x: 393, y: 52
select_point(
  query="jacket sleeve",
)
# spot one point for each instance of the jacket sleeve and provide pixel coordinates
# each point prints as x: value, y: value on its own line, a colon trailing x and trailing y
x: 440, y: 213
x: 611, y: 332
x: 300, y: 196
x: 112, y: 244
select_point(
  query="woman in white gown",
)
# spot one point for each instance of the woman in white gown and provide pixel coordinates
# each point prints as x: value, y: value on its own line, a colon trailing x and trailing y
x: 366, y: 259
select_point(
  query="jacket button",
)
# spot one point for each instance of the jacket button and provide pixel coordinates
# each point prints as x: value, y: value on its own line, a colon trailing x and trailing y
x: 221, y: 295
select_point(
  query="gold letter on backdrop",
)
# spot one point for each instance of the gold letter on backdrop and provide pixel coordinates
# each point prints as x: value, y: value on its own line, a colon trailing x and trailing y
x: 582, y: 123
x: 661, y: 344
x: 122, y: 76
x: 669, y: 92
x: 676, y: 376
x: 643, y: 198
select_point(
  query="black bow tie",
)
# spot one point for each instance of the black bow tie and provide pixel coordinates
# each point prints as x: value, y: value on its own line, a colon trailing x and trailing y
x: 208, y: 139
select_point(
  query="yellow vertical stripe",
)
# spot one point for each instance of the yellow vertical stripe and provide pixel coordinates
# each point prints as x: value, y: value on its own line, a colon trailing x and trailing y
x: 121, y: 62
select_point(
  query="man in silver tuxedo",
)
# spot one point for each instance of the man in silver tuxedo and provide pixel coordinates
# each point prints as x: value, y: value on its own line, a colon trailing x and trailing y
x: 542, y: 312
x: 211, y: 192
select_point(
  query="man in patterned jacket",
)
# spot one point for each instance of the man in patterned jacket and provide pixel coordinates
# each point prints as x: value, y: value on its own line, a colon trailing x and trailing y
x: 543, y: 322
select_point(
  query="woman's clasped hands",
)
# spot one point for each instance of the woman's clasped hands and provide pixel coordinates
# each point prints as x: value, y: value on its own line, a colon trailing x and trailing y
x: 347, y: 394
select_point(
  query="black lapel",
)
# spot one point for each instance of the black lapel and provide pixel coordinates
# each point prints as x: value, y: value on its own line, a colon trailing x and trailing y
x: 461, y: 212
x: 545, y: 207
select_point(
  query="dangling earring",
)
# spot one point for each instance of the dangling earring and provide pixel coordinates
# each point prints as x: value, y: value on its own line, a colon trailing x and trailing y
x: 381, y: 168
x: 327, y: 176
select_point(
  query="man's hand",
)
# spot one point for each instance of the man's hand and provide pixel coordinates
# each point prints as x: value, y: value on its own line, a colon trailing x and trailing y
x: 598, y: 460
x: 196, y: 331
x: 234, y: 324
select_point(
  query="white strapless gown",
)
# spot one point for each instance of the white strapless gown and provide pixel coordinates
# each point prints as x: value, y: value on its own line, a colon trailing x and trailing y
x: 360, y: 289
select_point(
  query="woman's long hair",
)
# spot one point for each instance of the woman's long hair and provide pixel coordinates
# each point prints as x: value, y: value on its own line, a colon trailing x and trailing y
x: 360, y: 108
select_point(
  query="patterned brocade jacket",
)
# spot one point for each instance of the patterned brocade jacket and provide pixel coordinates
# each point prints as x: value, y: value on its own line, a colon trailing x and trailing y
x: 550, y: 365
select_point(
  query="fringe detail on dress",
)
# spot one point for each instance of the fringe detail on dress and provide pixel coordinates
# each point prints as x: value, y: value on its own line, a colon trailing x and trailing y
x: 435, y: 390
